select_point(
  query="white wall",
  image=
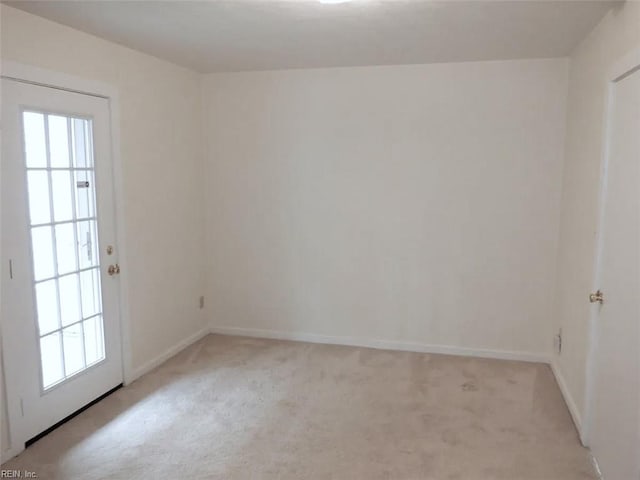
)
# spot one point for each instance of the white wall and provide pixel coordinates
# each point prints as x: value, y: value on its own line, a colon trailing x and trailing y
x: 162, y: 167
x: 407, y: 203
x: 617, y: 34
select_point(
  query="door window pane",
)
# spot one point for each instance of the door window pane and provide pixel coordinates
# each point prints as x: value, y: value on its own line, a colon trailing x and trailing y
x: 93, y: 340
x: 84, y: 186
x: 42, y: 247
x: 51, y: 359
x: 87, y: 243
x: 38, y: 189
x: 62, y: 201
x: 73, y: 342
x: 69, y: 299
x: 47, y: 306
x: 66, y: 248
x: 58, y: 141
x: 82, y: 148
x: 34, y: 142
x: 90, y: 287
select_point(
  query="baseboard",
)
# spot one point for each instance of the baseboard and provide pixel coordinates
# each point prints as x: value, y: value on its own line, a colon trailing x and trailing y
x: 166, y: 355
x: 383, y: 344
x: 568, y: 398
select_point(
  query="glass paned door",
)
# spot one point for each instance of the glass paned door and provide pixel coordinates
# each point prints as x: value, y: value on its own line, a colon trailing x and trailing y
x: 64, y: 238
x: 60, y: 309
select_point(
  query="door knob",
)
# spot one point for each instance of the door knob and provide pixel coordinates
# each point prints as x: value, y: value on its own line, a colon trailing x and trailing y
x: 597, y: 297
x: 113, y: 269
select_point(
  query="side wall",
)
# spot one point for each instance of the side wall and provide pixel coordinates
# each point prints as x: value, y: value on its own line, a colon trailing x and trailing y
x: 161, y: 151
x: 412, y: 206
x: 617, y: 34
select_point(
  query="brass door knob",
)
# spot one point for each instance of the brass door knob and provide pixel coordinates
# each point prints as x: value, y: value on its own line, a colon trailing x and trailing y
x: 113, y: 269
x: 597, y: 297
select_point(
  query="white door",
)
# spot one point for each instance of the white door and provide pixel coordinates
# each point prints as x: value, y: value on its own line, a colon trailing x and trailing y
x: 60, y: 319
x: 615, y: 430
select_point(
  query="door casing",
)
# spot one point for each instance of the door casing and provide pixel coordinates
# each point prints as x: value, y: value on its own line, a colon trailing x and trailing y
x: 47, y: 78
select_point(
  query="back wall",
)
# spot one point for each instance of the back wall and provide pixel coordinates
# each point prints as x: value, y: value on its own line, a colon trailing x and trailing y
x: 414, y: 205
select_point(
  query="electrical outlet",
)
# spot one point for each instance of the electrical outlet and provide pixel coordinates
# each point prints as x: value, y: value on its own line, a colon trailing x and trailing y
x: 557, y: 342
x: 202, y: 301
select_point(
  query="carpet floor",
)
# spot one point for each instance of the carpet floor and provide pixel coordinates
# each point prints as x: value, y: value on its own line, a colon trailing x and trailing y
x: 243, y: 408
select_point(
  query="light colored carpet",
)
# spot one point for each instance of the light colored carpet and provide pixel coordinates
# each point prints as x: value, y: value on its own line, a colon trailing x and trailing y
x: 241, y: 408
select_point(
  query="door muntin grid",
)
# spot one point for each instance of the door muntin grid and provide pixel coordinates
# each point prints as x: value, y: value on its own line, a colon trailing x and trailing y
x: 60, y: 176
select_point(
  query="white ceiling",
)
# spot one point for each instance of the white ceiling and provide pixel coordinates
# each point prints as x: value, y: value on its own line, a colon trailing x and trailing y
x: 234, y: 35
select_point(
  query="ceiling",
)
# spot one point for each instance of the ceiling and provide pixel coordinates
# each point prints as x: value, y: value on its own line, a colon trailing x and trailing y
x: 235, y: 35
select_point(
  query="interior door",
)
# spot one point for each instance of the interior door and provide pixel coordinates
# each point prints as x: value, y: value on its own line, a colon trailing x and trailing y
x: 60, y: 307
x: 615, y: 434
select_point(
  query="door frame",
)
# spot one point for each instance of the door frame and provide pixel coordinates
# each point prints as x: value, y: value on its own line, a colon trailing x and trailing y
x: 620, y: 70
x: 60, y: 81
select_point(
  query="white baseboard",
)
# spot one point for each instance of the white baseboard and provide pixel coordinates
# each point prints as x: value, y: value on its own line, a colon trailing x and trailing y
x: 568, y: 398
x: 167, y: 354
x: 383, y: 344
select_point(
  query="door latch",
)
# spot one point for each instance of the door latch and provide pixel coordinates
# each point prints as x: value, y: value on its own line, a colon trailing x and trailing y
x: 597, y: 297
x: 113, y: 269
